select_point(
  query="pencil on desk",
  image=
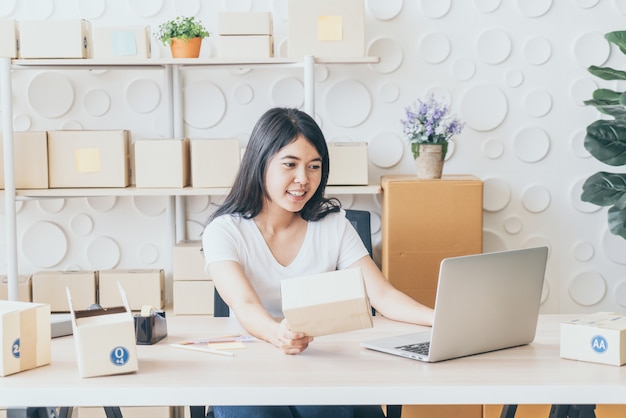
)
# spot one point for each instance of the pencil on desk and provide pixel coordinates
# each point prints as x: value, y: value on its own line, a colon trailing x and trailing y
x: 204, y: 349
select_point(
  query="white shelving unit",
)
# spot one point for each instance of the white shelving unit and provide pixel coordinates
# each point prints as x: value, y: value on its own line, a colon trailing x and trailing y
x: 172, y: 86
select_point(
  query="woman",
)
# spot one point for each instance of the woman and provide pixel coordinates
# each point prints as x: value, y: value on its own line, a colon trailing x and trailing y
x: 276, y: 224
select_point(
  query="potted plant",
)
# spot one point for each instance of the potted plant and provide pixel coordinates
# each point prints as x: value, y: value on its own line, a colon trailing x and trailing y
x: 184, y: 36
x: 428, y: 126
x: 606, y: 141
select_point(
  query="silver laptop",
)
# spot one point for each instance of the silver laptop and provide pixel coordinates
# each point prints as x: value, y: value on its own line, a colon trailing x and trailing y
x: 485, y: 302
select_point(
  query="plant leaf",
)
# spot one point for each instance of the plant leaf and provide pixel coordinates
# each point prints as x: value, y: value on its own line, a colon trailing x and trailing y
x: 607, y: 95
x: 617, y: 110
x: 604, y: 189
x: 606, y: 141
x: 618, y: 38
x: 617, y: 220
x: 607, y: 73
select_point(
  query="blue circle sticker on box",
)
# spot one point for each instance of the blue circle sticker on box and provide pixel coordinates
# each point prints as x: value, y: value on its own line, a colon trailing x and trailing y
x: 15, y: 348
x: 599, y: 344
x: 119, y: 356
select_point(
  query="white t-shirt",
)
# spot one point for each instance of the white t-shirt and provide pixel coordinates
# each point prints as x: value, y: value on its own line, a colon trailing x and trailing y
x: 330, y: 244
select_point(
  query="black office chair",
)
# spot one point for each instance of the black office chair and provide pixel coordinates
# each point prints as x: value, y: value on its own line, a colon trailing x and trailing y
x: 360, y: 220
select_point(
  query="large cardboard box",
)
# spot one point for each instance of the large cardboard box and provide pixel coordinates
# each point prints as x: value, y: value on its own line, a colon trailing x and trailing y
x: 214, y: 162
x: 55, y: 38
x: 9, y: 38
x: 188, y: 261
x: 24, y: 288
x: 348, y: 163
x: 49, y: 287
x: 25, y: 336
x: 30, y: 160
x: 193, y: 297
x: 326, y: 28
x: 244, y: 23
x: 245, y: 46
x: 121, y: 42
x: 597, y: 338
x: 105, y: 339
x: 142, y: 286
x: 425, y: 221
x: 162, y: 163
x: 327, y: 303
x: 88, y: 159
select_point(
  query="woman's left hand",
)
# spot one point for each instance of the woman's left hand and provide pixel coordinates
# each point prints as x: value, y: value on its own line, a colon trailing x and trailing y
x: 291, y: 342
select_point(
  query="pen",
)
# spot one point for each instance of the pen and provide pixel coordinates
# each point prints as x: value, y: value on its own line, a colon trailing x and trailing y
x: 204, y: 349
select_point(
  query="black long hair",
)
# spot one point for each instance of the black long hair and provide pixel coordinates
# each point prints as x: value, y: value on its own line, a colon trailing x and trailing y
x: 275, y: 129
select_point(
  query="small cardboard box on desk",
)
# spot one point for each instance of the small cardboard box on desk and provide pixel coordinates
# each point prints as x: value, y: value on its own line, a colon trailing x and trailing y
x: 597, y: 338
x: 105, y: 339
x: 327, y: 303
x: 24, y: 336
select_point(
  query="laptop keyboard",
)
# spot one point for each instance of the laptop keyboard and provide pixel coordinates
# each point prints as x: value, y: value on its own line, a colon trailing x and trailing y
x: 419, y: 348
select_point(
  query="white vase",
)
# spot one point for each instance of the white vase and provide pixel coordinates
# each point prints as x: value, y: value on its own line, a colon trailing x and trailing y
x: 429, y: 162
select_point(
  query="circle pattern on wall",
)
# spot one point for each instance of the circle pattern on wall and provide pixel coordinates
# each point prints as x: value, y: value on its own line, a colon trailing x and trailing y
x: 487, y: 6
x: 389, y: 92
x: 536, y: 198
x: 148, y: 253
x: 39, y: 9
x: 97, y: 102
x: 103, y: 253
x: 145, y: 8
x: 348, y: 103
x: 50, y: 94
x: 44, y: 244
x: 434, y: 47
x: 81, y: 224
x: 531, y: 144
x: 534, y: 8
x: 496, y: 194
x: 537, y: 51
x: 384, y: 9
x: 538, y: 103
x: 390, y: 53
x: 493, y: 46
x: 614, y: 247
x: 7, y: 7
x: 591, y: 49
x: 22, y: 123
x: 385, y: 150
x: 435, y: 9
x: 204, y: 104
x: 143, y: 96
x: 464, y: 69
x: 101, y: 203
x: 483, y: 107
x: 288, y: 92
x: 150, y: 205
x: 91, y: 9
x: 186, y: 7
x: 587, y: 288
x: 51, y: 206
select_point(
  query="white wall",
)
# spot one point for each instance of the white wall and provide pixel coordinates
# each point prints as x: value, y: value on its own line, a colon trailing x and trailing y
x: 515, y: 71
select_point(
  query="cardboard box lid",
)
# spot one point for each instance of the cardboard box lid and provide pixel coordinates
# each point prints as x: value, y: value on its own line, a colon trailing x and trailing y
x: 602, y: 320
x: 327, y: 303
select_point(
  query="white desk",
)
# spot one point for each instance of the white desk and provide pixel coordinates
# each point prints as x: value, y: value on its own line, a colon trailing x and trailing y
x: 334, y: 370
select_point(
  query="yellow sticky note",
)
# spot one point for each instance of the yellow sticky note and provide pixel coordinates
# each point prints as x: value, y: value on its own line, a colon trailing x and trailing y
x: 88, y: 160
x: 329, y: 28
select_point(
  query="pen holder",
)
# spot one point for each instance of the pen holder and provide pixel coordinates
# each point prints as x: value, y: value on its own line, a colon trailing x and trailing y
x: 150, y: 329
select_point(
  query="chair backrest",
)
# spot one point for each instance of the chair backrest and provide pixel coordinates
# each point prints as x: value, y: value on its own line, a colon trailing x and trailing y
x: 360, y: 220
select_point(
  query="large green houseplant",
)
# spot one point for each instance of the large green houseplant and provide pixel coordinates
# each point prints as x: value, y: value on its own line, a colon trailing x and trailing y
x: 606, y: 141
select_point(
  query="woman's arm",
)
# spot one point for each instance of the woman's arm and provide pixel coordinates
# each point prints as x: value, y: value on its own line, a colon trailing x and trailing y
x: 389, y: 301
x: 233, y: 285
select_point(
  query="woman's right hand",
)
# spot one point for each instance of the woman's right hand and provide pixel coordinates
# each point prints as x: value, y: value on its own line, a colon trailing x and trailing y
x: 291, y: 342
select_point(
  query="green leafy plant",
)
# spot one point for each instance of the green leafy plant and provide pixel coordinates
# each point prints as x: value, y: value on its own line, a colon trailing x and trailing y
x: 606, y: 141
x: 180, y: 27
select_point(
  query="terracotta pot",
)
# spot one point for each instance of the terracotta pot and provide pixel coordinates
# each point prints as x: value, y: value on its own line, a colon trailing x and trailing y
x: 429, y: 162
x: 189, y: 49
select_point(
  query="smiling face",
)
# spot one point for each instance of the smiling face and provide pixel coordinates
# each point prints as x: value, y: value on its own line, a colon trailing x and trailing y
x: 293, y: 175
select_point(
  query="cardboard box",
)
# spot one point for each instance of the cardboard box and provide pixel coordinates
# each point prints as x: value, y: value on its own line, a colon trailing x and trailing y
x: 49, y: 287
x: 597, y: 338
x: 214, y: 162
x: 246, y: 46
x: 244, y: 23
x: 326, y: 28
x: 9, y: 38
x: 142, y: 286
x: 25, y: 335
x: 30, y: 162
x: 188, y: 261
x: 88, y: 159
x: 425, y: 221
x: 162, y: 163
x: 105, y: 339
x: 121, y: 42
x: 55, y: 38
x: 349, y: 163
x: 327, y: 303
x: 24, y: 288
x: 192, y: 297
